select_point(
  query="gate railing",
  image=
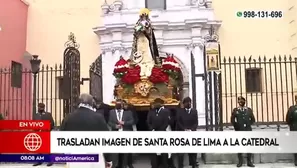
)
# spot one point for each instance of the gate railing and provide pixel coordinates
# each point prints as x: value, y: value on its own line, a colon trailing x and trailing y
x: 16, y: 91
x: 267, y: 83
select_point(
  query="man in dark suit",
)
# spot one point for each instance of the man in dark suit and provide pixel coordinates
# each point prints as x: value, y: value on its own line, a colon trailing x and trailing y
x: 187, y: 120
x: 242, y: 119
x: 172, y: 124
x: 121, y: 120
x: 43, y: 115
x: 85, y: 119
x: 158, y: 119
x: 102, y: 108
x: 130, y: 107
x: 291, y: 120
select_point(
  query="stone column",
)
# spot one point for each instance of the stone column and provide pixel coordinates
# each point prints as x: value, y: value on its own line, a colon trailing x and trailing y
x: 107, y: 69
x: 200, y: 83
x: 189, y: 50
x: 185, y: 87
x: 116, y: 44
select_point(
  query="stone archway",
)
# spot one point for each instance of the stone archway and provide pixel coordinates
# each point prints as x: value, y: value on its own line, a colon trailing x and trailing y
x: 185, y: 74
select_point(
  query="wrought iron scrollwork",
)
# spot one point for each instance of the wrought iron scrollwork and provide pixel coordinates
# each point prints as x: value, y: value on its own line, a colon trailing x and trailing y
x: 198, y: 2
x: 71, y: 75
x: 116, y: 6
x: 96, y: 79
x: 211, y: 36
x: 72, y: 41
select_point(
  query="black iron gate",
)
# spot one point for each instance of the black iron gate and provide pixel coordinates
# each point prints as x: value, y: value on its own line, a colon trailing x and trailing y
x: 71, y: 75
x: 267, y: 82
x: 96, y: 79
x: 212, y: 93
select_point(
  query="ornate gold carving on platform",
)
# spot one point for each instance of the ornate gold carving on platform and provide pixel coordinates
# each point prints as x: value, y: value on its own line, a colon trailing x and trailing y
x: 143, y: 87
x: 144, y: 93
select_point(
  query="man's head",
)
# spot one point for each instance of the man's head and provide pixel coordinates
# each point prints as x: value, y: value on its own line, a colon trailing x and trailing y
x: 187, y: 102
x: 119, y: 104
x: 125, y: 104
x: 41, y: 107
x: 241, y: 101
x: 158, y: 103
x: 87, y: 99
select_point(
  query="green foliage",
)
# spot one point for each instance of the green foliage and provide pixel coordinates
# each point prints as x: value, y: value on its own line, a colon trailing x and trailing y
x: 128, y: 89
x: 173, y: 74
x: 118, y: 75
x: 1, y: 117
x: 162, y: 87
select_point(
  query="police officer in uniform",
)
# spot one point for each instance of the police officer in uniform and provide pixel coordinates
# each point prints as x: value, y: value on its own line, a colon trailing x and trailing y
x: 291, y: 119
x: 242, y: 119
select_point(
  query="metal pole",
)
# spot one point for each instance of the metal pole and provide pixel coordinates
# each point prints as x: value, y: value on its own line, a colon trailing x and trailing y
x: 34, y: 95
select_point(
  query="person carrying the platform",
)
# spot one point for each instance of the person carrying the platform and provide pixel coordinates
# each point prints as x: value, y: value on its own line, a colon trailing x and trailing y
x: 121, y: 119
x: 172, y: 127
x: 187, y: 120
x: 158, y: 119
x: 291, y: 120
x: 242, y: 119
x: 102, y: 108
x: 131, y: 108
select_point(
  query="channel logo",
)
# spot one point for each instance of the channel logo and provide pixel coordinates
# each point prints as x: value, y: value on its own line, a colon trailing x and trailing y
x: 32, y: 142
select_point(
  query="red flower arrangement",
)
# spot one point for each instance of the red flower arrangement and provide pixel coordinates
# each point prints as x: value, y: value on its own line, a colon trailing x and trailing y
x: 132, y: 76
x: 158, y: 76
x: 171, y: 67
x: 120, y: 68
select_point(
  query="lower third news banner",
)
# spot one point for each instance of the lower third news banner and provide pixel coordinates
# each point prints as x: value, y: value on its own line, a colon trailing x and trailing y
x: 147, y: 142
x: 55, y: 158
x: 174, y: 142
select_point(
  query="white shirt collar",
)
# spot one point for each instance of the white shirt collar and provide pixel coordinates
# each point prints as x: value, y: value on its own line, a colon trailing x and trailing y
x: 121, y: 110
x: 160, y: 109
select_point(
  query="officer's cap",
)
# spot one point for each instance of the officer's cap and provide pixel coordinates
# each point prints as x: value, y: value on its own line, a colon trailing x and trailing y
x: 241, y: 98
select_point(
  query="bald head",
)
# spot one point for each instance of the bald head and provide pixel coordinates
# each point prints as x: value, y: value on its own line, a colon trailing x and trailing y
x: 86, y: 99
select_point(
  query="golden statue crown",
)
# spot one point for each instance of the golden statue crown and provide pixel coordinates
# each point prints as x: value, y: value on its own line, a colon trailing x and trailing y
x: 144, y: 11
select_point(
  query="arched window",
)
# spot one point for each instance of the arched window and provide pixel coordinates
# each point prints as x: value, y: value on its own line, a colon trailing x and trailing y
x: 155, y: 4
